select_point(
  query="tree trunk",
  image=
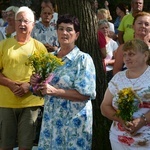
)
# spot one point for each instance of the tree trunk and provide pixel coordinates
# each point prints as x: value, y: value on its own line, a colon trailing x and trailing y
x: 87, y: 42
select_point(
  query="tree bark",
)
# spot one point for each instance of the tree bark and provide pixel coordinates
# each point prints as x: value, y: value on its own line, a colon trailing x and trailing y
x: 88, y: 43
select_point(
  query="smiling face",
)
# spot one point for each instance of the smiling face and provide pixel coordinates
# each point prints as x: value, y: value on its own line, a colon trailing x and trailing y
x: 142, y: 26
x: 23, y: 23
x: 66, y: 34
x: 134, y: 59
x: 135, y: 54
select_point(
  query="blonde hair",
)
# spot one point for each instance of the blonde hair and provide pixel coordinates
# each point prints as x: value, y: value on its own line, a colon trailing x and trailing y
x: 26, y: 10
x: 12, y: 8
x: 137, y: 45
x: 105, y: 13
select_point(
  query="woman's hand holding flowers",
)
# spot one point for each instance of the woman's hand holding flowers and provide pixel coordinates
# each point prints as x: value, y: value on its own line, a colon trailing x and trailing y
x: 34, y: 80
x: 133, y: 126
x: 46, y: 89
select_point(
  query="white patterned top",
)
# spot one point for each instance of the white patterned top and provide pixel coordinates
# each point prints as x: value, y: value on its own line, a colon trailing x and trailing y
x: 142, y: 87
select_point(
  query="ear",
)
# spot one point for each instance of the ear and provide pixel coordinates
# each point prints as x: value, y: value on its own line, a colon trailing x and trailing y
x: 77, y: 35
x: 33, y: 24
x: 147, y: 56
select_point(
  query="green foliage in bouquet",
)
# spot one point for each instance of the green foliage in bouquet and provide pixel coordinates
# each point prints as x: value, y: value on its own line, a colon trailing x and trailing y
x: 44, y: 63
x: 126, y: 104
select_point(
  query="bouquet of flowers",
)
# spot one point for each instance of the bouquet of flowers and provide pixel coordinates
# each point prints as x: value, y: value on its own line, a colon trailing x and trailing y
x: 44, y: 64
x: 126, y: 103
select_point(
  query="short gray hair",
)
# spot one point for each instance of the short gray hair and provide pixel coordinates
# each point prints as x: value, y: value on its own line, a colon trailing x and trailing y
x: 26, y: 10
x: 103, y: 21
x: 12, y: 8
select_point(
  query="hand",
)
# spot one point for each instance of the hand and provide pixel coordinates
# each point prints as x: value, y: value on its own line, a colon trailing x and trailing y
x: 50, y: 48
x: 34, y: 79
x: 106, y: 62
x: 46, y: 88
x: 133, y: 126
x: 21, y: 89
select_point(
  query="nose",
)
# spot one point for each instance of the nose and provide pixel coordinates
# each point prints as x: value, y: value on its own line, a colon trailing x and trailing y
x: 143, y: 25
x: 64, y: 31
x: 125, y: 57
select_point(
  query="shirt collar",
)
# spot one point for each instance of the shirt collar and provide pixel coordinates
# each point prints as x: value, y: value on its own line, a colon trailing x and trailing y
x: 71, y: 55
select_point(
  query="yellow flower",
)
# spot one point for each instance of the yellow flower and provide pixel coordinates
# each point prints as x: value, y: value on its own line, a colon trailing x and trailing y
x: 126, y: 103
x: 44, y: 63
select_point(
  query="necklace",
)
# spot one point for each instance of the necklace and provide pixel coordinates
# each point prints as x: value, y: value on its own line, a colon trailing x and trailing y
x: 133, y: 81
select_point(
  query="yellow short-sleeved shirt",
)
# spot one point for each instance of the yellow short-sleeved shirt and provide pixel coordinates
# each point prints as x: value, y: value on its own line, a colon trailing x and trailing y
x: 13, y: 58
x: 126, y: 25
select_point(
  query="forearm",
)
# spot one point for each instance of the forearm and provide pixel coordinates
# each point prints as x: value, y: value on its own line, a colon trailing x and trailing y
x: 72, y: 95
x: 19, y: 89
x: 110, y: 113
x: 120, y: 37
x: 110, y: 62
x: 6, y: 81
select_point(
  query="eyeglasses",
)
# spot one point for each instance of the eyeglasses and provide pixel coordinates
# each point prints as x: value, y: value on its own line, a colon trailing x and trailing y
x: 11, y: 15
x: 24, y: 21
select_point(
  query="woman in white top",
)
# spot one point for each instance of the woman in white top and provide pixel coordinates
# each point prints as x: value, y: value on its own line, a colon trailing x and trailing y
x: 111, y: 46
x: 135, y: 133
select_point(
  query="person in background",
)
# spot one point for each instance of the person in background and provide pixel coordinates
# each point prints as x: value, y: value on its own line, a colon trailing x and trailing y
x: 141, y: 27
x: 94, y: 5
x: 9, y: 30
x: 102, y: 45
x: 3, y: 21
x: 43, y: 32
x: 131, y: 134
x: 125, y: 29
x: 18, y: 106
x: 104, y: 14
x: 51, y: 4
x: 67, y: 119
x: 121, y: 9
x: 111, y: 47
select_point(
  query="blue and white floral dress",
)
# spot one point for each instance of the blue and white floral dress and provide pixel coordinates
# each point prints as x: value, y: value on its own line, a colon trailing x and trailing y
x: 67, y: 125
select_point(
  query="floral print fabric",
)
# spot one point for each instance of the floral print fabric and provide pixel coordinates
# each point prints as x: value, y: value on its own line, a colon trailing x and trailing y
x: 46, y: 35
x: 67, y: 125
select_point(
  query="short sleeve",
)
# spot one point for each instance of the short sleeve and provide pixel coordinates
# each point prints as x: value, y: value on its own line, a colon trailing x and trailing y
x: 121, y: 26
x: 85, y: 82
x: 113, y: 84
x: 115, y: 46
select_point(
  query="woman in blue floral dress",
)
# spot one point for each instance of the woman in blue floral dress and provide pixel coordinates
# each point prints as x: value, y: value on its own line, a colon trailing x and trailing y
x: 67, y: 117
